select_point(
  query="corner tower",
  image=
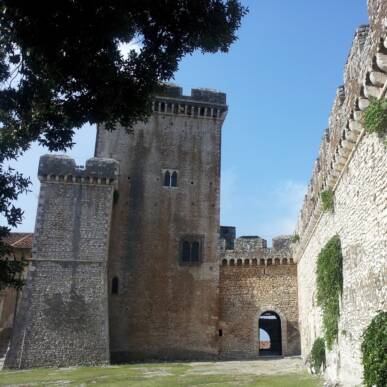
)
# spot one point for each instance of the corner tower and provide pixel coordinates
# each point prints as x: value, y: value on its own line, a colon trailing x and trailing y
x: 163, y: 263
x: 63, y: 315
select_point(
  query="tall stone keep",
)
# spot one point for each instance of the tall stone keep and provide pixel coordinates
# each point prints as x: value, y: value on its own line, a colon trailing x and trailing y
x: 63, y: 316
x: 163, y: 264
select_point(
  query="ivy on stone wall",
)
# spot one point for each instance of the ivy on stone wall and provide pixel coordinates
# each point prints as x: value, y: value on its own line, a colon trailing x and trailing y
x: 327, y: 200
x: 317, y: 355
x: 329, y: 287
x: 374, y: 349
x: 375, y: 116
x: 295, y: 238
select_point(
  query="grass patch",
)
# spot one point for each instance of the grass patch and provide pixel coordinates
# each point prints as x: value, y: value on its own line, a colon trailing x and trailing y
x: 148, y: 375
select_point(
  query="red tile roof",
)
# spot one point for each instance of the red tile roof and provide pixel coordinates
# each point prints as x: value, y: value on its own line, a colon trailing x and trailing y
x: 20, y: 240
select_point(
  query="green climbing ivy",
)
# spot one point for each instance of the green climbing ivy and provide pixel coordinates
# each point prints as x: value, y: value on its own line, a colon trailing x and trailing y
x: 327, y: 200
x: 317, y: 355
x: 374, y: 349
x: 329, y: 287
x: 375, y: 116
x: 295, y: 238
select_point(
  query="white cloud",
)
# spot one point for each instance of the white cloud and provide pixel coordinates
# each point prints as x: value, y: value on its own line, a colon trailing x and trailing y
x: 290, y: 194
x: 258, y: 210
x: 287, y: 199
x: 134, y: 44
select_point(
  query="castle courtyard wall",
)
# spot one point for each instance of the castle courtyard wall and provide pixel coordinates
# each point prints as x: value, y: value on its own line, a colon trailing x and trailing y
x: 360, y: 219
x: 253, y: 280
x: 353, y: 164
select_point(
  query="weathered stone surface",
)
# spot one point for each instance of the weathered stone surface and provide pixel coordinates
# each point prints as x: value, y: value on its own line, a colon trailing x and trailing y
x: 163, y: 309
x: 253, y: 280
x: 360, y: 219
x: 360, y: 211
x: 63, y: 316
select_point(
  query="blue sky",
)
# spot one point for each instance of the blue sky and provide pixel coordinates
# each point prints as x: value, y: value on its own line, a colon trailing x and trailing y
x: 280, y: 78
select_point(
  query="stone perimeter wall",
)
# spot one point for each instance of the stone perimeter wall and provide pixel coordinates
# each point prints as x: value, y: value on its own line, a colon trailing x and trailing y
x: 354, y: 165
x: 255, y: 279
x: 63, y: 315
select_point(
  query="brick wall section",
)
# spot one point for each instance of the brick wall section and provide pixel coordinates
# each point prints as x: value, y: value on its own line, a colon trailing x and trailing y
x: 165, y: 310
x: 63, y: 316
x: 359, y: 217
x: 249, y: 287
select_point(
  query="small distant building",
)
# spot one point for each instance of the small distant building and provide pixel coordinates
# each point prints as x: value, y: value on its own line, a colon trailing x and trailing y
x: 20, y: 244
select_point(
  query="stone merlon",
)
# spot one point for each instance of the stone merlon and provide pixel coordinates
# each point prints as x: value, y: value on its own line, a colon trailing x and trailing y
x: 197, y: 95
x: 61, y: 167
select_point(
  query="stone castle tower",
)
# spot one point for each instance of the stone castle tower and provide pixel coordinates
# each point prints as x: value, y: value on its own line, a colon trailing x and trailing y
x: 130, y: 262
x: 163, y: 270
x: 62, y: 317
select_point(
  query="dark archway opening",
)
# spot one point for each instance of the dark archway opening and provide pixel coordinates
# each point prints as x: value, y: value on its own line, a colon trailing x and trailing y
x: 270, y: 340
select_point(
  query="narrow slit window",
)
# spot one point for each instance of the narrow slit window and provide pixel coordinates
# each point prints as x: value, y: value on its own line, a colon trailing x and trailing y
x: 174, y: 179
x: 115, y: 285
x: 167, y: 179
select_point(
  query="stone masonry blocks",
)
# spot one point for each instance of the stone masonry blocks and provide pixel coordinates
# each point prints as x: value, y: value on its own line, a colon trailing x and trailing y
x: 63, y: 317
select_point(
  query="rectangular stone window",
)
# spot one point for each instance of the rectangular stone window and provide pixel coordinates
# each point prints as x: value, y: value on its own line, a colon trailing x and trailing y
x: 191, y: 249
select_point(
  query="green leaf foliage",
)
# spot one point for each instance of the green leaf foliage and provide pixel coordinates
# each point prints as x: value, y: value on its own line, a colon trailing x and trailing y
x: 11, y: 273
x: 12, y: 184
x: 327, y: 200
x: 374, y: 349
x: 61, y: 66
x: 295, y: 238
x: 329, y: 287
x: 317, y: 355
x: 375, y: 116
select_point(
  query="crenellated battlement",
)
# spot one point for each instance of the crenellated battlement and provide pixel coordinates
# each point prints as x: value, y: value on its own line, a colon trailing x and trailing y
x: 365, y: 76
x: 202, y: 103
x: 253, y: 251
x: 61, y: 168
x: 352, y: 163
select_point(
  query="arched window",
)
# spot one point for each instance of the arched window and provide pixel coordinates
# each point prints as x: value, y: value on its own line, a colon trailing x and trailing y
x: 115, y: 285
x: 191, y: 249
x: 186, y: 252
x: 167, y: 179
x: 174, y: 179
x: 195, y: 252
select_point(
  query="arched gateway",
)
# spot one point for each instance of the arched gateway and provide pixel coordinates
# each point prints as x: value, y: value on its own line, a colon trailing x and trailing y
x: 270, y: 335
